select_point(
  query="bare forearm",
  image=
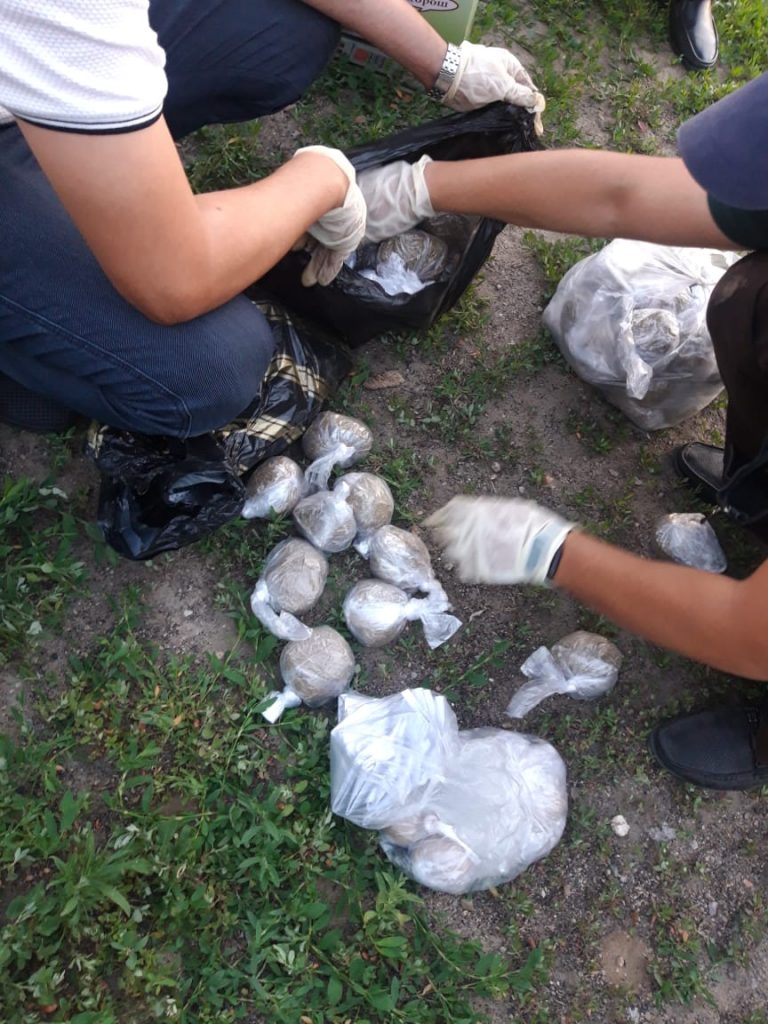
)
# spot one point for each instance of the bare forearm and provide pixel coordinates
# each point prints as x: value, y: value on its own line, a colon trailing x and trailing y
x: 585, y: 192
x: 245, y: 231
x: 713, y: 619
x: 396, y: 28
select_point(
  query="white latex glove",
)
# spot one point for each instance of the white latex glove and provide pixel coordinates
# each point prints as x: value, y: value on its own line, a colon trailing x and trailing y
x: 490, y: 73
x: 499, y: 540
x: 396, y: 197
x: 337, y: 233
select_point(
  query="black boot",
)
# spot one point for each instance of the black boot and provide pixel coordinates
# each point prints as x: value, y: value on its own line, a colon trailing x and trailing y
x: 693, y: 33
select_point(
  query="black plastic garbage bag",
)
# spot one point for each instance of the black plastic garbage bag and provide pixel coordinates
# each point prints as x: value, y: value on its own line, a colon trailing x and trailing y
x: 160, y: 493
x: 359, y: 309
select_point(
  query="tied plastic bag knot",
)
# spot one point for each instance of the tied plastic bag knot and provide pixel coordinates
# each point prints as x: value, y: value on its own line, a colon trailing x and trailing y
x: 292, y: 581
x: 688, y: 538
x: 376, y: 614
x: 281, y: 702
x: 582, y: 665
x: 327, y: 520
x: 333, y: 440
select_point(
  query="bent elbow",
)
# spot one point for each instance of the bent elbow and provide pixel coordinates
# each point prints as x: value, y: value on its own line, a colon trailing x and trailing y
x: 171, y: 306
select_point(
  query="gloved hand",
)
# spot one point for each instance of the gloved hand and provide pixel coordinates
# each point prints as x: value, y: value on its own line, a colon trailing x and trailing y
x: 499, y: 540
x: 396, y: 197
x: 490, y: 73
x: 337, y: 233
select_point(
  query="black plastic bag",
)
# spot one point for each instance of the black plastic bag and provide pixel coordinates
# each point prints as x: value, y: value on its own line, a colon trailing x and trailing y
x: 160, y: 493
x: 359, y: 309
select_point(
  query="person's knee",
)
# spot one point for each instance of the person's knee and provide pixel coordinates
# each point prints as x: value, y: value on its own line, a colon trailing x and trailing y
x: 227, y: 373
x: 314, y: 48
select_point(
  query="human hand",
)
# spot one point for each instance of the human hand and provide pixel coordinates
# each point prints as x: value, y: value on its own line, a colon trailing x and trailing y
x: 396, y: 197
x: 499, y: 540
x: 337, y: 233
x: 490, y: 73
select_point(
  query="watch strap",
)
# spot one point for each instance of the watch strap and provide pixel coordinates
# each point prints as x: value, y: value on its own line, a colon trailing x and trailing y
x: 447, y: 73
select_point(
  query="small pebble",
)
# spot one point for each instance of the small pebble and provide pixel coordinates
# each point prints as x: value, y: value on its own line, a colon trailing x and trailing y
x: 620, y: 825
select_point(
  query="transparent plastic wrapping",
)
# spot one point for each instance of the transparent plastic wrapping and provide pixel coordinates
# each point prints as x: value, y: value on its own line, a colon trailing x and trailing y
x: 401, y: 558
x: 689, y: 539
x: 371, y: 502
x: 327, y: 520
x: 458, y: 811
x: 315, y: 671
x: 292, y: 581
x: 422, y: 253
x: 333, y: 440
x: 502, y: 805
x: 376, y: 614
x: 631, y: 320
x: 582, y: 665
x: 389, y: 755
x: 273, y: 488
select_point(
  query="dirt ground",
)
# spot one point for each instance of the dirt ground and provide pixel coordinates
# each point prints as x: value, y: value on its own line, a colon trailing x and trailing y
x: 681, y: 896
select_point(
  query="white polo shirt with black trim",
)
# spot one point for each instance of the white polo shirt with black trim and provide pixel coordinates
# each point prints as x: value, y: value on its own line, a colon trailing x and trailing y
x: 80, y: 65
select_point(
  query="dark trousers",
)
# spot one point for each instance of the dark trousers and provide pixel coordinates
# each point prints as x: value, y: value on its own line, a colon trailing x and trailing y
x: 65, y: 333
x: 737, y: 318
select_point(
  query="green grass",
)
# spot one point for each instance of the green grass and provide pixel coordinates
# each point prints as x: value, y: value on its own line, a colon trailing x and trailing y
x: 195, y: 873
x: 41, y: 572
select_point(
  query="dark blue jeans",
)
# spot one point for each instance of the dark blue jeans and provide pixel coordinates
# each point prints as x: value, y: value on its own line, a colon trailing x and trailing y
x: 64, y: 331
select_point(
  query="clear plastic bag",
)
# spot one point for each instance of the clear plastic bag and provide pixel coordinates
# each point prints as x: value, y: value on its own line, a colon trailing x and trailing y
x: 292, y: 581
x: 315, y: 671
x: 689, y: 539
x: 389, y: 755
x: 582, y: 665
x: 333, y: 440
x: 327, y: 520
x: 502, y: 805
x: 402, y: 559
x: 458, y: 811
x: 371, y: 502
x: 376, y: 614
x: 273, y: 488
x: 631, y: 320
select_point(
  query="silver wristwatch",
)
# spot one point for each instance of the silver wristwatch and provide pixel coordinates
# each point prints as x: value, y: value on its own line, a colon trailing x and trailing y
x: 447, y: 73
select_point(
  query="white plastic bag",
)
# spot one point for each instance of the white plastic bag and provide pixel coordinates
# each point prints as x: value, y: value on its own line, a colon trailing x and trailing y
x: 457, y: 811
x: 376, y: 614
x: 326, y: 519
x: 274, y: 487
x: 292, y: 581
x: 689, y: 539
x: 389, y: 754
x: 631, y: 320
x: 333, y: 440
x: 315, y: 671
x: 582, y: 665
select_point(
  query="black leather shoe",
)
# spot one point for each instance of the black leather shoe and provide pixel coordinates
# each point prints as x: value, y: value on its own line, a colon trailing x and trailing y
x: 701, y: 465
x: 693, y: 33
x: 723, y: 748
